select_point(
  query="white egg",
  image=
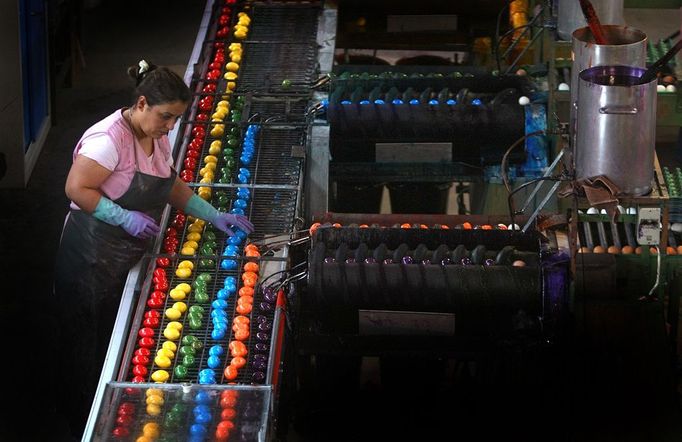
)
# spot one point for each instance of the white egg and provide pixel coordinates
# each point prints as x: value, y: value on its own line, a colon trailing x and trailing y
x: 564, y: 87
x: 514, y: 227
x: 603, y: 211
x: 660, y: 88
x: 580, y: 212
x: 524, y: 101
x: 632, y: 211
x: 670, y: 88
x: 676, y: 227
x: 592, y: 211
x: 620, y: 208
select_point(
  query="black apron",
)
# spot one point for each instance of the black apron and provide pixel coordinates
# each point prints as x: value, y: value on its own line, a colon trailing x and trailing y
x: 93, y: 261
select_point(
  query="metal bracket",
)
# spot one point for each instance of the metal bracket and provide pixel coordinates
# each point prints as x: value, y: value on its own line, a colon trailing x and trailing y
x: 536, y: 190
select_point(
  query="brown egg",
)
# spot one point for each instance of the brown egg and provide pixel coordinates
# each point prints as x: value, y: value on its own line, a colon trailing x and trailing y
x: 599, y: 249
x: 519, y: 263
x: 653, y: 250
x: 613, y: 250
x: 668, y: 79
x: 583, y: 249
x: 679, y: 250
x: 638, y: 250
x: 626, y: 250
x: 670, y: 250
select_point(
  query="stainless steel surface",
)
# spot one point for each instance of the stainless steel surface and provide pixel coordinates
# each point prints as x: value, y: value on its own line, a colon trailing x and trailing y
x: 616, y: 129
x: 317, y: 172
x: 628, y: 49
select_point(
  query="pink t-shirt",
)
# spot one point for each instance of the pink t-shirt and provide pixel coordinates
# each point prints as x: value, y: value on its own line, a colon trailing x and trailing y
x: 112, y: 144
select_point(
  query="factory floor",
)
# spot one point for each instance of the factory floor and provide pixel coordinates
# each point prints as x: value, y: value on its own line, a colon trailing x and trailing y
x: 575, y: 396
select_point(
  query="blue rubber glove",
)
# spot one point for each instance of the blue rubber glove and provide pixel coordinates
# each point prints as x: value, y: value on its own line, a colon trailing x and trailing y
x: 199, y: 208
x: 135, y: 223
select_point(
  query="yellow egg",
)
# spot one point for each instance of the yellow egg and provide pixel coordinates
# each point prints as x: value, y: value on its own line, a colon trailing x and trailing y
x: 153, y: 392
x: 240, y: 28
x: 163, y: 362
x: 214, y: 150
x: 183, y: 273
x: 218, y: 130
x: 169, y: 345
x: 177, y: 295
x: 180, y: 306
x: 184, y: 287
x: 223, y: 103
x: 151, y: 430
x: 144, y: 439
x: 209, y: 175
x: 219, y: 114
x: 240, y: 34
x: 188, y: 251
x: 186, y: 265
x: 193, y: 236
x: 172, y: 334
x: 171, y: 313
x: 160, y: 376
x: 230, y: 76
x: 175, y: 325
x: 192, y: 244
x: 206, y: 180
x: 210, y: 159
x: 231, y: 85
x: 232, y: 67
x: 234, y: 46
x: 195, y: 228
x: 204, y: 194
x: 237, y: 58
x: 165, y: 353
x: 153, y: 410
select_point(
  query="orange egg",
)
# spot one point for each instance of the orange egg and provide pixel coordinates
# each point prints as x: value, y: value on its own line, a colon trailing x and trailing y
x: 627, y: 250
x: 363, y: 226
x: 613, y: 250
x: 252, y: 253
x: 251, y: 246
x: 444, y: 226
x: 519, y: 263
x: 238, y: 361
x: 251, y: 267
x: 249, y: 275
x: 599, y: 249
x: 467, y: 226
x: 246, y: 291
x: 244, y: 309
x: 231, y: 372
x: 670, y: 250
x: 242, y: 334
x: 638, y: 250
x: 237, y: 348
x: 336, y: 225
x: 312, y: 229
x: 405, y: 225
x: 245, y: 300
x: 423, y: 226
x: 653, y: 250
x: 486, y: 227
x: 239, y: 319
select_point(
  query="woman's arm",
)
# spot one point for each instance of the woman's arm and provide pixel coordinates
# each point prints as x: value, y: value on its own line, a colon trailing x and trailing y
x: 179, y: 195
x: 84, y: 181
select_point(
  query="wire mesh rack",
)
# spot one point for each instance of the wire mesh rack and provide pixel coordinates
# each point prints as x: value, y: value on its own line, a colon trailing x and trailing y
x: 267, y: 64
x: 289, y: 22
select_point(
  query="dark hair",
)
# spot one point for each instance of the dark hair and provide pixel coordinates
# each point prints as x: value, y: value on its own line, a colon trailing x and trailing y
x: 158, y: 84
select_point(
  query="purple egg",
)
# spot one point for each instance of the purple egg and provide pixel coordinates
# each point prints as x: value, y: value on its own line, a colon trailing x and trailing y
x: 370, y: 260
x: 259, y: 365
x: 261, y: 318
x: 265, y: 306
x: 268, y: 290
x: 264, y: 326
x: 445, y: 261
x: 465, y: 261
x: 329, y: 260
x: 270, y: 297
x: 426, y: 262
x: 262, y: 336
x: 350, y: 260
x: 388, y: 261
x: 258, y: 376
x: 259, y: 356
x: 489, y: 262
x: 407, y: 259
x: 262, y: 346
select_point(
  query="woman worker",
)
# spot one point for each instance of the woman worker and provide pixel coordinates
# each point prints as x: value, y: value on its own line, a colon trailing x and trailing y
x: 120, y: 181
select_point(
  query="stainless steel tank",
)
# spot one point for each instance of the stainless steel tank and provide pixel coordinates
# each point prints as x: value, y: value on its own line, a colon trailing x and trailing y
x: 616, y: 127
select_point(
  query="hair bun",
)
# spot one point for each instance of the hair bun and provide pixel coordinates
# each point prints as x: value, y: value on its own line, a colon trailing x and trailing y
x: 139, y: 72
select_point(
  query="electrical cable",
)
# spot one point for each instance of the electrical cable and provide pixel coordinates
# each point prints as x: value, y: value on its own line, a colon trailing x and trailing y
x: 503, y: 164
x: 510, y: 197
x: 658, y: 272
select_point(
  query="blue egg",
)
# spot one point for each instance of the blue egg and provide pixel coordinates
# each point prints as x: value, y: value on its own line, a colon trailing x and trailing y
x: 240, y: 233
x: 476, y: 102
x: 237, y: 211
x: 433, y: 102
x: 198, y: 429
x: 213, y: 361
x: 398, y: 101
x: 217, y: 334
x: 379, y: 101
x: 228, y: 264
x: 201, y: 409
x: 346, y: 102
x: 364, y: 101
x: 239, y: 203
x: 219, y: 303
x: 230, y: 288
x: 243, y: 179
x: 324, y: 103
x: 243, y: 192
x: 218, y: 313
x: 230, y: 280
x: 223, y: 294
x: 414, y: 101
x: 235, y: 240
x: 216, y: 350
x: 207, y: 372
x: 451, y: 102
x: 202, y: 397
